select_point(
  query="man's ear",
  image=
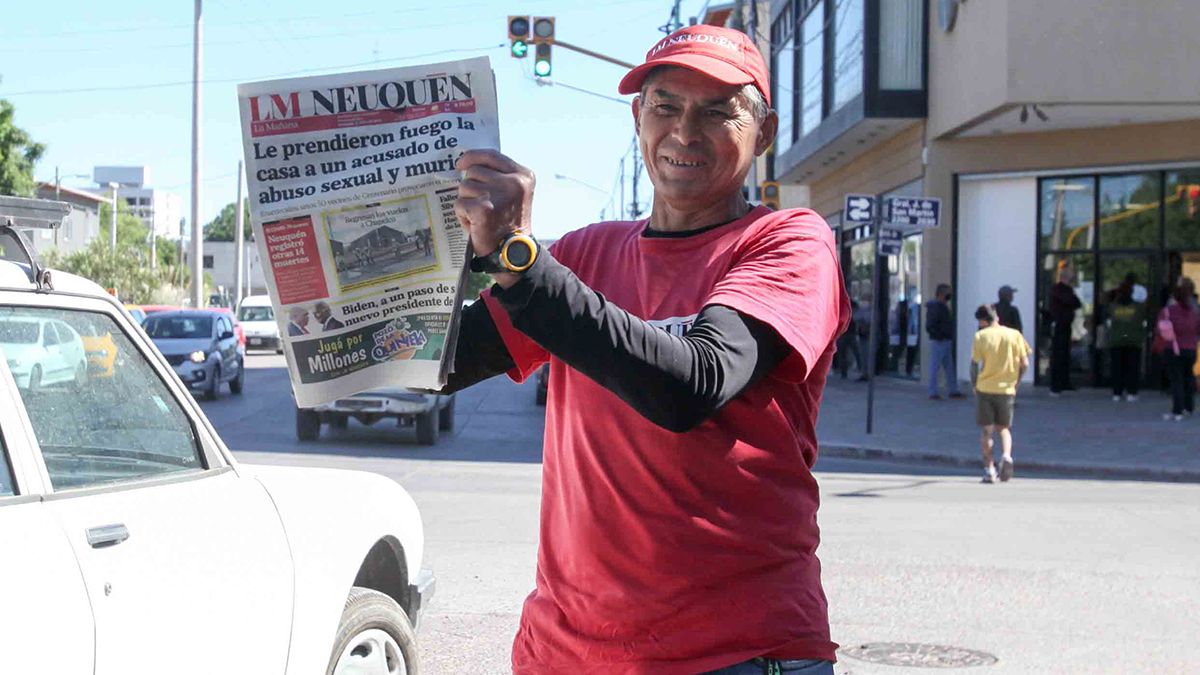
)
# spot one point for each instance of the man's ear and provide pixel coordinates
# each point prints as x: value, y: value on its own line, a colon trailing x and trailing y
x: 766, y: 133
x: 636, y: 107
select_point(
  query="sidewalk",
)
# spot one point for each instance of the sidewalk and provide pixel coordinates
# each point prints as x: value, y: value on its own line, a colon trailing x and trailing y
x: 1081, y: 433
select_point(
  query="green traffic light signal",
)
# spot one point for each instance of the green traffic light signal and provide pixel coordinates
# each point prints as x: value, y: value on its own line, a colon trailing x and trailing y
x: 519, y: 49
x: 541, y: 64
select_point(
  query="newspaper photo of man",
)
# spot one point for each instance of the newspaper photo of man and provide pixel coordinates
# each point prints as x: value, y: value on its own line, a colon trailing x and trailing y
x: 297, y: 321
x: 324, y: 316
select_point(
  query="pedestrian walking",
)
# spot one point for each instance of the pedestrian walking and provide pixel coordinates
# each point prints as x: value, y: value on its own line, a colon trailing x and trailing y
x: 849, y: 346
x: 1126, y: 331
x: 1062, y: 306
x: 687, y: 352
x: 1010, y: 316
x: 999, y: 358
x: 939, y: 326
x: 1183, y: 318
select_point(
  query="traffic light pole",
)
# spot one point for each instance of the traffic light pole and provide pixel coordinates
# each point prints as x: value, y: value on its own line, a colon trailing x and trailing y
x: 588, y: 52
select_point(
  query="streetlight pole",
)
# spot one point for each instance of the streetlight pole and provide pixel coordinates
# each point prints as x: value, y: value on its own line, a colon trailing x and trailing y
x: 197, y: 239
x: 587, y: 185
x: 112, y: 235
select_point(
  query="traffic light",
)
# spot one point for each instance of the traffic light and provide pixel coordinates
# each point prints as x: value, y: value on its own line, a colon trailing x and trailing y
x: 541, y: 60
x: 518, y: 35
x: 543, y: 30
x: 769, y: 190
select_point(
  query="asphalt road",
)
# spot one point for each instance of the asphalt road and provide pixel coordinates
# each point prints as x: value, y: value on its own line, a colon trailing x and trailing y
x: 1034, y: 576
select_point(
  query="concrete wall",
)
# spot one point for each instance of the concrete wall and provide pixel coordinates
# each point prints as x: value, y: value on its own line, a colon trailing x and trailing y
x: 891, y: 164
x: 1008, y: 52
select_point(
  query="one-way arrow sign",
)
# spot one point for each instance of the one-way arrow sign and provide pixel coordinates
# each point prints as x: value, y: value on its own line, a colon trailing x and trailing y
x: 859, y: 209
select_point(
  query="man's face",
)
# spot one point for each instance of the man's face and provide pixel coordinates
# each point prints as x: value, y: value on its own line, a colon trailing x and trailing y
x: 1006, y: 296
x: 321, y: 312
x: 698, y: 137
x: 300, y: 318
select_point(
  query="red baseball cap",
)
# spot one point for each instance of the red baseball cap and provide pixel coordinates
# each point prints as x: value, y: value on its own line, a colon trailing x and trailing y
x: 724, y: 54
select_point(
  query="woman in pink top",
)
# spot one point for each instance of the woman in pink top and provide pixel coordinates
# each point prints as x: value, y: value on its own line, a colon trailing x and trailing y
x: 1185, y: 318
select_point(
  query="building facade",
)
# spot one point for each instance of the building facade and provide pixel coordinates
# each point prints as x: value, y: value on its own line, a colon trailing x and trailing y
x: 160, y: 210
x: 78, y: 229
x: 1052, y: 142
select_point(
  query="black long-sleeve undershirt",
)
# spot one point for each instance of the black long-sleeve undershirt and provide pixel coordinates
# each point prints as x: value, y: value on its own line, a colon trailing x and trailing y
x: 675, y: 382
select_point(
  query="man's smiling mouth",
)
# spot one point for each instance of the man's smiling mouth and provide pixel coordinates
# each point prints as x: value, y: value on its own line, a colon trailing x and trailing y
x: 676, y: 162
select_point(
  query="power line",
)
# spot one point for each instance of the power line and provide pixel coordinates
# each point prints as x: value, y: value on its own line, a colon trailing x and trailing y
x: 161, y: 85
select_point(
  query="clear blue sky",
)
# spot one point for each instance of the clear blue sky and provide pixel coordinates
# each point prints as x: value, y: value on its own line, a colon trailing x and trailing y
x: 109, y: 83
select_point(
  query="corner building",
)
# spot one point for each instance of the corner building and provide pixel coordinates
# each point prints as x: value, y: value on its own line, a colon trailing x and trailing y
x: 1056, y: 134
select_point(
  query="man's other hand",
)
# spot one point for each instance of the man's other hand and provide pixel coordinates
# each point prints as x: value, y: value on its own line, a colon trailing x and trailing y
x: 495, y: 198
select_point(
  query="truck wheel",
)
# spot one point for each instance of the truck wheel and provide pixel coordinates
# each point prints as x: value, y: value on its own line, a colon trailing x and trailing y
x: 427, y: 427
x: 308, y: 424
x: 446, y: 417
x: 373, y: 636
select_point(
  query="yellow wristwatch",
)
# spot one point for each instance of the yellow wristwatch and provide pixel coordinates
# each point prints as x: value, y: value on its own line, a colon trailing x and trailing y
x: 516, y: 253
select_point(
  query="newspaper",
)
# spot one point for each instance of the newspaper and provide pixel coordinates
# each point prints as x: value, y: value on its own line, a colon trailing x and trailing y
x: 352, y: 186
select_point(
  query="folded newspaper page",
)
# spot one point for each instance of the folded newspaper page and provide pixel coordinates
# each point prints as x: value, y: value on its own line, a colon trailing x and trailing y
x: 352, y: 186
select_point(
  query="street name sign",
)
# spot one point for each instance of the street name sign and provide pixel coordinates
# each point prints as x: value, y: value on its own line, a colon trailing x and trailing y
x: 890, y: 241
x: 913, y: 211
x: 859, y: 209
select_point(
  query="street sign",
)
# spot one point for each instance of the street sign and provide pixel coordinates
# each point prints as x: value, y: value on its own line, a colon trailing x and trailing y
x: 913, y: 211
x: 890, y: 241
x: 859, y: 209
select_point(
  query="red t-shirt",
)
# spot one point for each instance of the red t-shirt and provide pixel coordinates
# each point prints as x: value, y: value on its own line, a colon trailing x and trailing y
x: 666, y: 552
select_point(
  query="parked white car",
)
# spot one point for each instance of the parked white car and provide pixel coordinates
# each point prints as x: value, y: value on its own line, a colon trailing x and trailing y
x: 134, y: 543
x: 257, y: 317
x: 41, y: 351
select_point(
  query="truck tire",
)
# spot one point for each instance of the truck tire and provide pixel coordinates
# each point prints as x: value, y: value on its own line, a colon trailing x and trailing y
x: 446, y: 417
x: 427, y: 427
x: 308, y: 424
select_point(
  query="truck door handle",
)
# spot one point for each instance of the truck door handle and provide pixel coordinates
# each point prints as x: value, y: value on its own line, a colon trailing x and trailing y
x: 107, y: 535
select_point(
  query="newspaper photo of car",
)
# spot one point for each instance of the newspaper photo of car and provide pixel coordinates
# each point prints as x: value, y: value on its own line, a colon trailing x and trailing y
x: 427, y: 414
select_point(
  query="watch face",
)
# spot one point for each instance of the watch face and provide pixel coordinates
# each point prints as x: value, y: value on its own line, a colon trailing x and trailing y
x: 518, y: 253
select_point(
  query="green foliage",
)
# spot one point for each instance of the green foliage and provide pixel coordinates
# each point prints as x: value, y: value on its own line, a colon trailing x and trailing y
x: 131, y: 231
x: 18, y: 155
x: 222, y: 228
x: 476, y: 283
x: 126, y: 269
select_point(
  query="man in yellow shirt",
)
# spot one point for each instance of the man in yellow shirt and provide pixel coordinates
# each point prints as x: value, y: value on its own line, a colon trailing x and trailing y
x: 999, y: 357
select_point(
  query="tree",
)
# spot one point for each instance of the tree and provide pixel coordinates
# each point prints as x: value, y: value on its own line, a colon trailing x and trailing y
x: 18, y: 154
x: 222, y: 227
x: 131, y: 231
x: 124, y: 269
x: 476, y: 283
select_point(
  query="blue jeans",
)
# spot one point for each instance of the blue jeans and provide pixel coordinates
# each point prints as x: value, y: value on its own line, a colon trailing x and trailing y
x: 941, y: 355
x: 762, y: 667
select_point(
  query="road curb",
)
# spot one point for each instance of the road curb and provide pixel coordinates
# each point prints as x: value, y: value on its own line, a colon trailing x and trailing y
x: 1025, y: 466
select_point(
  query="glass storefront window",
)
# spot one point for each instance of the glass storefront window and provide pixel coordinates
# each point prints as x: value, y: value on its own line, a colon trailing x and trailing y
x: 785, y: 89
x: 1129, y: 210
x: 1083, y: 269
x: 847, y: 51
x: 1183, y: 209
x: 1068, y: 213
x: 812, y: 68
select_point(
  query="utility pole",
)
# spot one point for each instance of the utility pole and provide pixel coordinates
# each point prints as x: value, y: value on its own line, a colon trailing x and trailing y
x: 179, y: 267
x: 240, y: 238
x: 752, y: 31
x: 621, y: 209
x: 636, y: 208
x: 197, y: 234
x: 673, y: 24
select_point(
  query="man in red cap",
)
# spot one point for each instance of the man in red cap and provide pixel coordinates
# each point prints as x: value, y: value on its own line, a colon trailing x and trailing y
x: 687, y: 354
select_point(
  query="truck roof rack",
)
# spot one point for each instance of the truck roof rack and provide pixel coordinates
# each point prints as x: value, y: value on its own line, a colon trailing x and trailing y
x: 20, y: 212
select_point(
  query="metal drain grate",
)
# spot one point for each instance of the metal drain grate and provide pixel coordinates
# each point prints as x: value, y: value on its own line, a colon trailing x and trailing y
x: 916, y: 655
